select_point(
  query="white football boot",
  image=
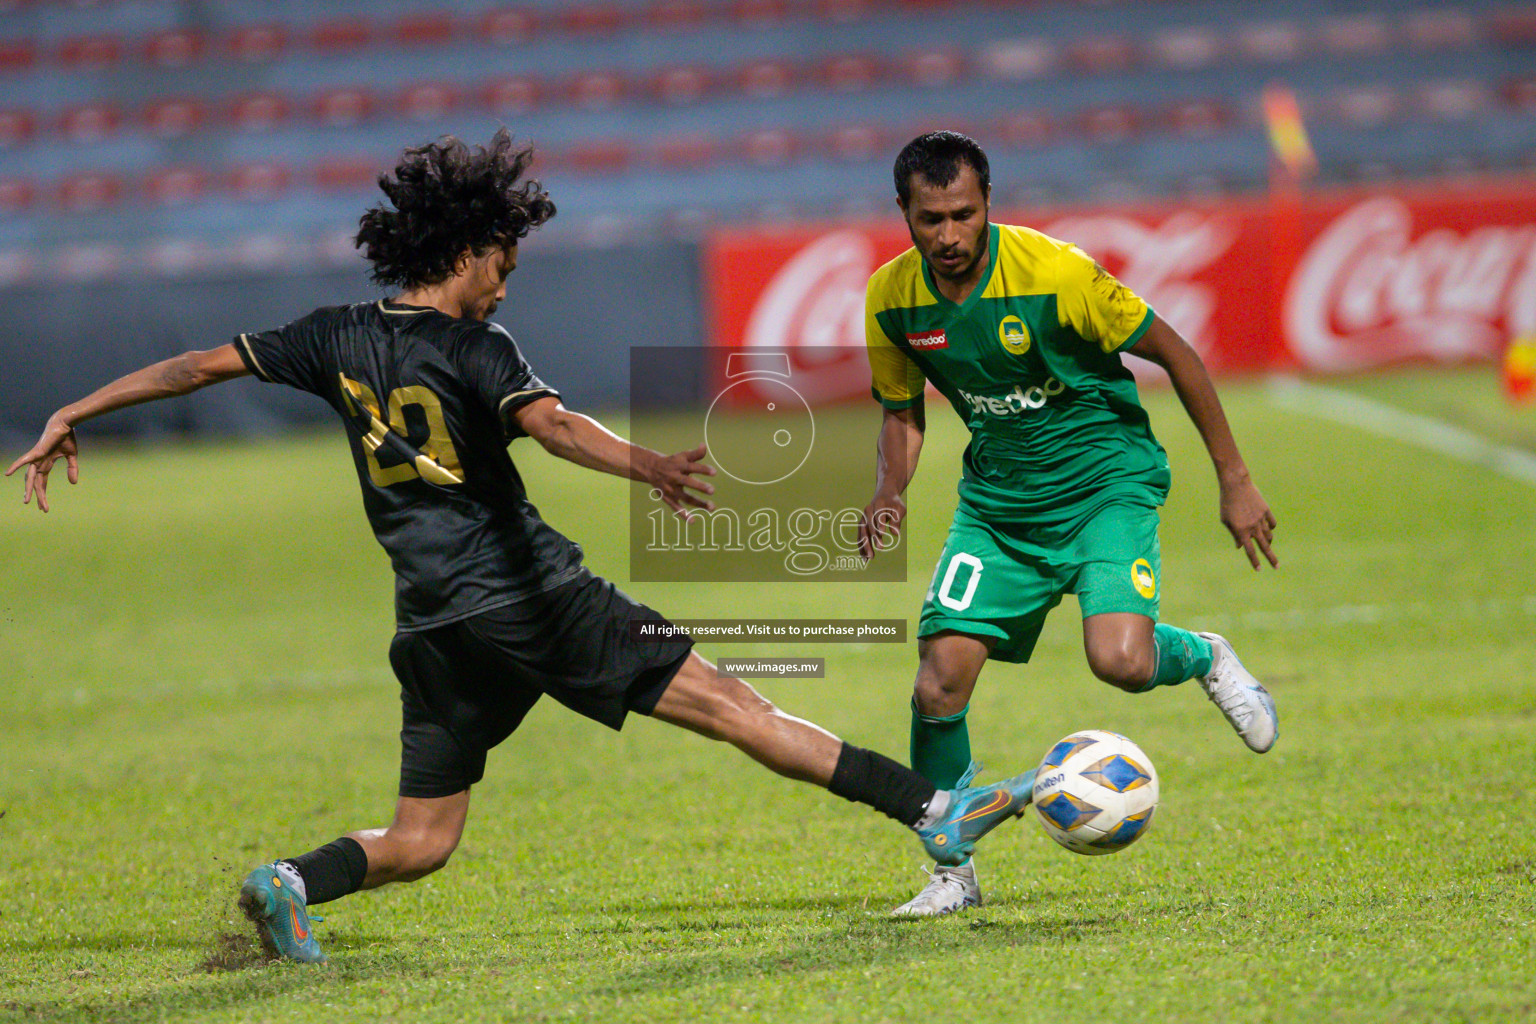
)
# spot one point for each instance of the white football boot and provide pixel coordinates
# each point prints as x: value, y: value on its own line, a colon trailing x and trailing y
x: 949, y: 890
x: 1233, y: 689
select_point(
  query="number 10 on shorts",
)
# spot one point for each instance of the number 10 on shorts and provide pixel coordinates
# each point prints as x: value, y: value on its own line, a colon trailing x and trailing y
x: 959, y: 564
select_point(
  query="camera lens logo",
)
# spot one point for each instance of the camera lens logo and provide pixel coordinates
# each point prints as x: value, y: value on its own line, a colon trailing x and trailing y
x: 768, y: 431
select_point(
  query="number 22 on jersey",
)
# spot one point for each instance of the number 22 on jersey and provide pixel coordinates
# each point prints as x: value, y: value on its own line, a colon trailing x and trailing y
x: 434, y: 461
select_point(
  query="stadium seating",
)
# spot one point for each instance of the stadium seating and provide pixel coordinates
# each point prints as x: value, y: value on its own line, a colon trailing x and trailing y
x: 682, y: 112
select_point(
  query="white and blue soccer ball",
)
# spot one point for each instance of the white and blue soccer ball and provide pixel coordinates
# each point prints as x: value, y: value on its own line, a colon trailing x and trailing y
x: 1096, y: 792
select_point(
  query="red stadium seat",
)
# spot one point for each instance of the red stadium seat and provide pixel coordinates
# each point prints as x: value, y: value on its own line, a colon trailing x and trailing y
x: 1366, y: 106
x: 174, y: 118
x: 594, y: 19
x: 1454, y: 99
x: 509, y: 97
x: 506, y: 26
x: 770, y: 147
x: 678, y: 15
x: 681, y: 84
x: 606, y: 156
x: 857, y: 143
x: 425, y: 29
x: 257, y: 43
x: 1514, y: 26
x: 1440, y: 30
x: 597, y: 90
x: 342, y: 108
x: 17, y: 55
x: 428, y: 101
x: 1109, y: 123
x: 689, y: 152
x: 259, y: 182
x: 174, y: 48
x: 90, y: 53
x: 1520, y: 93
x: 1103, y: 54
x: 767, y: 79
x: 845, y: 11
x: 16, y: 194
x: 345, y: 174
x: 1018, y: 60
x: 1271, y: 41
x: 176, y: 186
x: 17, y: 128
x: 90, y: 122
x: 1185, y: 49
x: 932, y: 69
x: 340, y: 35
x: 86, y: 193
x: 850, y: 72
x: 1358, y: 35
x: 1027, y: 128
x: 1199, y: 117
x: 756, y: 14
x: 259, y: 112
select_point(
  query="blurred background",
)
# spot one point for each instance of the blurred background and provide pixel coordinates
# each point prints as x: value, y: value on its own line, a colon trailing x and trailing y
x: 175, y: 172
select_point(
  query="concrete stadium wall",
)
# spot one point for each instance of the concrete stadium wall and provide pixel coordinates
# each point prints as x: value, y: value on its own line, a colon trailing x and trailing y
x: 574, y: 312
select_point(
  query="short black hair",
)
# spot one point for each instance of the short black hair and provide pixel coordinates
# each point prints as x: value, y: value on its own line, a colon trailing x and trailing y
x: 449, y: 198
x: 937, y: 156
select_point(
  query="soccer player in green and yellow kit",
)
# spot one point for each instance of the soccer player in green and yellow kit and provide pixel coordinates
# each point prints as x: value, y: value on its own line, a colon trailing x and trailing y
x: 1062, y: 479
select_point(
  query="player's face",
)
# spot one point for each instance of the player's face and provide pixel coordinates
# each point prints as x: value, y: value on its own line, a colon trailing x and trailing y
x: 485, y: 282
x: 948, y: 223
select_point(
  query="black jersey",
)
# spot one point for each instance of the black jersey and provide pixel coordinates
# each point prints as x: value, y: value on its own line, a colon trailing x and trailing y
x: 427, y: 401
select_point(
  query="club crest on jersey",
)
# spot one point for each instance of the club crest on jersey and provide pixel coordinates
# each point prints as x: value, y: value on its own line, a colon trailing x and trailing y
x: 1013, y: 335
x: 927, y: 341
x: 1142, y: 578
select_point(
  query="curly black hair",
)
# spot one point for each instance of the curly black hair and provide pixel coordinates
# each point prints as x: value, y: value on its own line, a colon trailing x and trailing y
x: 937, y: 157
x: 449, y: 198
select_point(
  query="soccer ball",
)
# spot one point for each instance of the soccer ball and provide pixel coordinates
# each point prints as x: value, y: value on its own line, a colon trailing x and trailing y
x: 1095, y: 792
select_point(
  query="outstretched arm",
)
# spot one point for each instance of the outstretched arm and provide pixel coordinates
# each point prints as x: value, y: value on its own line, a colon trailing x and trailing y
x: 896, y: 452
x: 1244, y: 511
x: 178, y: 375
x: 586, y: 442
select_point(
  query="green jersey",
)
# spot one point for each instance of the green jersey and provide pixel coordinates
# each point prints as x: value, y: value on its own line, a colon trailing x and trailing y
x: 1030, y: 361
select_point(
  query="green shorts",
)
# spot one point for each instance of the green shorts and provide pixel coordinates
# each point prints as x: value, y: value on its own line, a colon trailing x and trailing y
x: 1000, y: 579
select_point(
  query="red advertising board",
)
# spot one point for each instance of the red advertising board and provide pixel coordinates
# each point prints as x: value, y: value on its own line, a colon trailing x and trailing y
x: 1325, y: 283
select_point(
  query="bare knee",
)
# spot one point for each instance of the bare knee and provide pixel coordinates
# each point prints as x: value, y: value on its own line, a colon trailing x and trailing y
x: 940, y: 696
x: 1124, y: 666
x: 418, y: 854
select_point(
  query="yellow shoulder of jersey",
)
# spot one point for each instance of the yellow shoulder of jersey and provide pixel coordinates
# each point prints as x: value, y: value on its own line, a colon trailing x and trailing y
x: 899, y: 284
x: 1028, y: 262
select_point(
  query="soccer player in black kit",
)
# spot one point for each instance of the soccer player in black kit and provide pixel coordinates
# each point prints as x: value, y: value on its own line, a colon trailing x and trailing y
x: 494, y: 607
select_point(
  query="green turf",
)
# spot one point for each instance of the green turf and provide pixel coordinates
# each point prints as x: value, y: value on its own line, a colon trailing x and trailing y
x: 196, y: 681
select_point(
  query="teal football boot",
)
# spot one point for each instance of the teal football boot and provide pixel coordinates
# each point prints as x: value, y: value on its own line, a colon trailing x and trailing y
x: 972, y: 813
x: 280, y: 916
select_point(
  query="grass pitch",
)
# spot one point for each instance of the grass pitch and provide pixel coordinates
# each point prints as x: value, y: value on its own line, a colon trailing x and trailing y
x: 197, y: 682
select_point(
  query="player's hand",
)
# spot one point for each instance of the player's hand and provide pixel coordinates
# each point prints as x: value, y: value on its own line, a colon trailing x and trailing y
x: 58, y: 440
x: 1246, y: 515
x: 880, y: 525
x: 673, y: 476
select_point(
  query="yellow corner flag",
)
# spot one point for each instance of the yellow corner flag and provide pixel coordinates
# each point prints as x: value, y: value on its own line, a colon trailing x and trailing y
x: 1520, y: 369
x: 1287, y: 132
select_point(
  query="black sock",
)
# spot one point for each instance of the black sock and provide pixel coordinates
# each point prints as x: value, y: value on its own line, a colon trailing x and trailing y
x: 874, y: 779
x: 335, y: 870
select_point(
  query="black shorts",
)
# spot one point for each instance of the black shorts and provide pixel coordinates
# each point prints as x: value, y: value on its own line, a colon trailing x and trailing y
x: 466, y: 686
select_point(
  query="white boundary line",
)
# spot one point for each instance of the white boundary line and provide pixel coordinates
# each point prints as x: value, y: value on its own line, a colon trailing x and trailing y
x: 1410, y: 428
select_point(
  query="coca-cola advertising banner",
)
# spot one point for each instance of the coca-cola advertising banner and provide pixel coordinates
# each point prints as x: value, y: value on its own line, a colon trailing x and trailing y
x: 1325, y: 283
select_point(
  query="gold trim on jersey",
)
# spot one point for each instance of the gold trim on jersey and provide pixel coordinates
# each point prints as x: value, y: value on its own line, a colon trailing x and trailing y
x: 255, y: 363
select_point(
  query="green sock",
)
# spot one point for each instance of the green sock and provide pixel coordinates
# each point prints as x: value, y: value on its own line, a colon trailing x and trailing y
x: 941, y: 747
x: 1181, y: 655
